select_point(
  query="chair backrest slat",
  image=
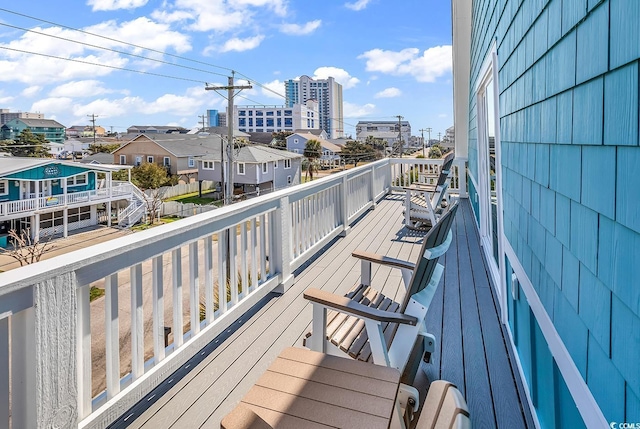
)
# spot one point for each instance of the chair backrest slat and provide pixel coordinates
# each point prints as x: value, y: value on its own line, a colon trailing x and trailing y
x: 445, y: 169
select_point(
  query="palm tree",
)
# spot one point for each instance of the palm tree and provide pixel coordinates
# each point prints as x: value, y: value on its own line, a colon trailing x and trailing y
x: 313, y: 152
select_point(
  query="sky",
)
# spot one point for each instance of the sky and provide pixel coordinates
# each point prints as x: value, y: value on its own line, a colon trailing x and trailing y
x: 391, y: 57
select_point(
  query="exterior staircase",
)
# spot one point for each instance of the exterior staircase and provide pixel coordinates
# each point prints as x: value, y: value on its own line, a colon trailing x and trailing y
x: 136, y: 210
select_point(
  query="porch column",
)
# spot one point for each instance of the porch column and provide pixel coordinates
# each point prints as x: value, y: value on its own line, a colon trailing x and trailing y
x: 65, y: 222
x: 37, y: 194
x: 281, y: 254
x: 63, y: 182
x: 35, y: 227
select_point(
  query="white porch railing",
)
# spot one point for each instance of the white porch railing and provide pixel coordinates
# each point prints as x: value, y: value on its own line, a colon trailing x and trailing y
x: 29, y: 205
x: 173, y: 275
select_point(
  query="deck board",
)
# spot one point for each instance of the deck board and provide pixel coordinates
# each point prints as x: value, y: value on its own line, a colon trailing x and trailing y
x: 458, y: 317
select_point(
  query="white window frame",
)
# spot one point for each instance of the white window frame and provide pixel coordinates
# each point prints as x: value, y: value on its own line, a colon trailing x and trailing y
x: 166, y: 161
x: 208, y: 165
x: 241, y: 169
x: 138, y: 160
x: 73, y: 180
x: 265, y: 167
x: 289, y: 180
x: 191, y: 162
x: 275, y: 164
x: 4, y: 187
x: 150, y: 159
x: 489, y: 76
x: 123, y: 159
x: 287, y: 164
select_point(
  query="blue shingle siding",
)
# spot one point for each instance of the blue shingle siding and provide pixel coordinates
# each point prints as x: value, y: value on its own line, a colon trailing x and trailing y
x: 625, y: 342
x: 592, y: 55
x: 569, y: 76
x: 628, y: 188
x: 625, y: 34
x: 621, y: 106
x: 605, y: 382
x: 597, y: 189
x: 588, y: 105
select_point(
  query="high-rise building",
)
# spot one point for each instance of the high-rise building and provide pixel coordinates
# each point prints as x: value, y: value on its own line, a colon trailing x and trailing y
x: 328, y: 94
x: 6, y: 115
x: 269, y: 119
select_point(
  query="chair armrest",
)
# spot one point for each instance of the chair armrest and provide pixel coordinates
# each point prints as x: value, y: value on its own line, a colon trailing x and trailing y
x: 343, y: 304
x: 383, y: 260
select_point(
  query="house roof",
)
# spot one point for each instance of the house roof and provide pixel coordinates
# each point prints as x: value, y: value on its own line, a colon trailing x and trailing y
x: 98, y: 158
x: 39, y: 123
x: 158, y: 127
x: 252, y: 154
x: 182, y: 145
x: 264, y: 138
x: 10, y: 165
x: 324, y: 143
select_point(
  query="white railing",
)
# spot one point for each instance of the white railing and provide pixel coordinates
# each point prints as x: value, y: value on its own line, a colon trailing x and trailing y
x: 29, y: 205
x: 406, y: 171
x: 63, y: 362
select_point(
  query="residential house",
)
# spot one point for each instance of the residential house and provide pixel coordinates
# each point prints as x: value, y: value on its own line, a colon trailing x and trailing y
x: 178, y: 153
x: 388, y: 131
x: 257, y: 169
x: 52, y: 130
x: 546, y: 97
x: 330, y: 152
x: 54, y: 197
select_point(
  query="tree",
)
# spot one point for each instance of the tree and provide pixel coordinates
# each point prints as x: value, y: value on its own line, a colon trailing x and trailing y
x: 151, y: 177
x: 313, y: 152
x: 103, y: 148
x: 24, y: 249
x: 354, y: 151
x: 27, y: 144
x: 435, y: 151
x: 281, y: 138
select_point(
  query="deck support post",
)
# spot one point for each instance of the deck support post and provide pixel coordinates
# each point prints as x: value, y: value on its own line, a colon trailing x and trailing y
x: 282, y: 248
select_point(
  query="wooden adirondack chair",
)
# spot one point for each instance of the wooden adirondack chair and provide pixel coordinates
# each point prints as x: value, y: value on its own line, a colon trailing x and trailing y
x: 423, y: 202
x: 366, y: 325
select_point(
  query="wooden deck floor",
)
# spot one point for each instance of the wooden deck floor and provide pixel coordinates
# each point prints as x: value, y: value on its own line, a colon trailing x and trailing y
x: 472, y: 349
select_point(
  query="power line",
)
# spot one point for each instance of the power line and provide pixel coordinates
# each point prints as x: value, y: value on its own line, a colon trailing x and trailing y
x: 103, y: 65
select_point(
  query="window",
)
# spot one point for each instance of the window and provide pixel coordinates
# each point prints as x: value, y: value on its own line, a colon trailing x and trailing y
x: 275, y: 165
x: 287, y: 163
x: 242, y: 122
x: 150, y: 159
x: 265, y: 167
x: 288, y: 122
x: 207, y: 165
x: 269, y: 113
x: 259, y: 113
x: 166, y: 161
x: 241, y: 168
x: 250, y: 112
x: 138, y: 160
x: 295, y: 141
x: 191, y: 162
x: 4, y: 187
x: 270, y: 122
x: 288, y: 113
x: 251, y: 122
x: 78, y: 180
x: 259, y: 122
x: 279, y: 113
x: 123, y: 159
x: 288, y: 180
x: 242, y: 113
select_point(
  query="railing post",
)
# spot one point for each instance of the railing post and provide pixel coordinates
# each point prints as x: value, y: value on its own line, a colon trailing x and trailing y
x: 344, y: 207
x: 45, y: 349
x: 372, y: 188
x: 282, y: 250
x: 462, y: 176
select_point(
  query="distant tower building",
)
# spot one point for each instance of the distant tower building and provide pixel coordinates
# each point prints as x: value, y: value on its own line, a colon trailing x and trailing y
x: 6, y: 115
x: 328, y: 94
x: 213, y: 118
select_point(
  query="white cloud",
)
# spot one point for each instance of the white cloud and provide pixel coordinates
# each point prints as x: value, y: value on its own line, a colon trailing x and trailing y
x: 443, y: 115
x: 358, y: 5
x: 80, y: 88
x: 340, y: 75
x: 53, y: 105
x: 274, y: 86
x: 115, y: 4
x: 389, y: 93
x: 240, y: 45
x: 6, y: 100
x: 301, y: 30
x: 433, y: 63
x: 31, y: 91
x: 357, y: 111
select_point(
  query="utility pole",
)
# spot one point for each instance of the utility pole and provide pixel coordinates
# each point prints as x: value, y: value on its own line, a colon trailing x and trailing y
x: 228, y: 185
x: 439, y: 134
x: 400, y: 132
x: 423, y: 144
x: 203, y: 118
x: 93, y: 120
x: 429, y: 131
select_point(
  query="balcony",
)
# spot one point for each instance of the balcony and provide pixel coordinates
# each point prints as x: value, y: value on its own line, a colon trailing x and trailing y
x: 18, y: 208
x: 76, y: 364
